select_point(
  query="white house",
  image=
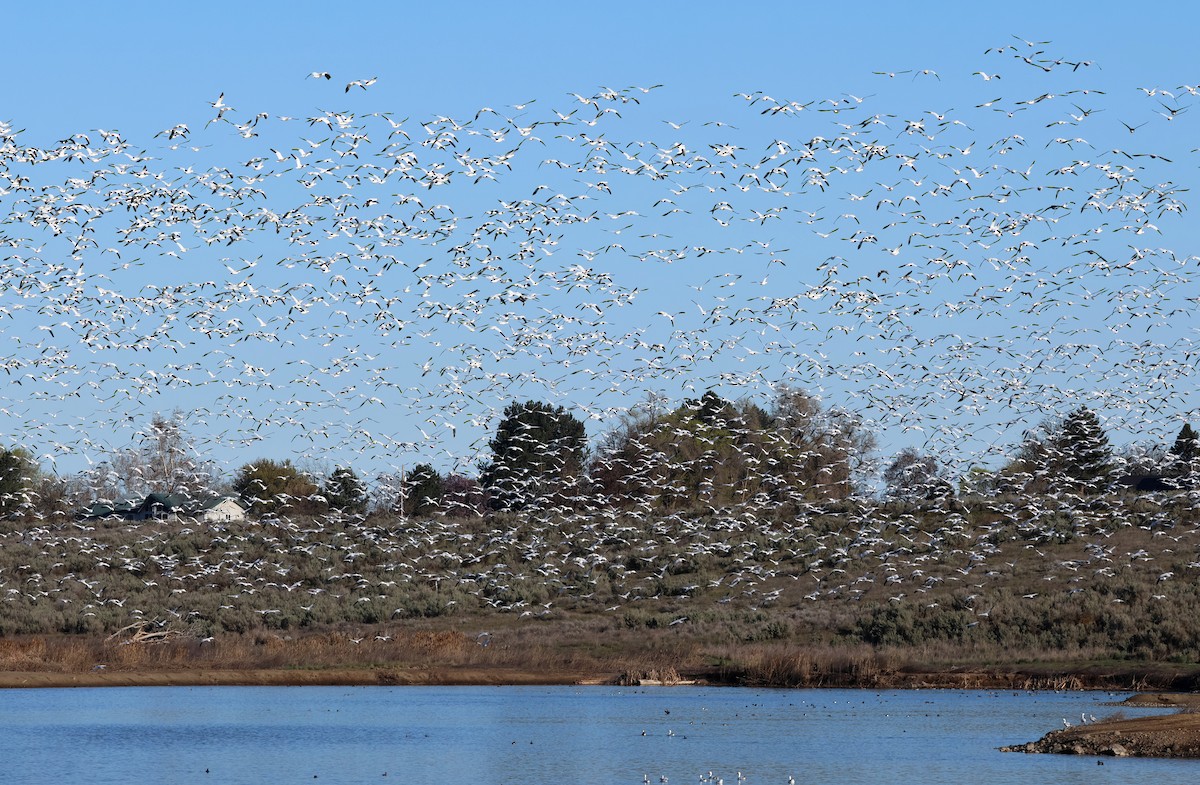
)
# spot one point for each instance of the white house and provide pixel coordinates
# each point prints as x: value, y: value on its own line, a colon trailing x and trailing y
x: 221, y: 509
x: 173, y: 507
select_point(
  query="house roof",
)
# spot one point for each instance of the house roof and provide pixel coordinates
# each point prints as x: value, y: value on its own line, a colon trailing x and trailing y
x: 213, y: 501
x: 166, y: 501
x: 161, y: 502
x: 105, y: 509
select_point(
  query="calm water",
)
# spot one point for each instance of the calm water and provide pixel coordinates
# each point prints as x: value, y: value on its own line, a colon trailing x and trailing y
x: 546, y: 736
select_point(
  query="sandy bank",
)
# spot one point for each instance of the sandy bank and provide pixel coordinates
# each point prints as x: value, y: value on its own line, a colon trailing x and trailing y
x: 1168, y: 736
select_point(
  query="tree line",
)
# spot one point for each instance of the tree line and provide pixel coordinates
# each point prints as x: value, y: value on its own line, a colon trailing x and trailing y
x: 704, y: 452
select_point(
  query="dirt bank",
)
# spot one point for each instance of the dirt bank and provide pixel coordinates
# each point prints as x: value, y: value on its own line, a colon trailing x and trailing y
x: 1168, y: 736
x: 358, y: 677
x: 484, y: 675
x: 1163, y: 700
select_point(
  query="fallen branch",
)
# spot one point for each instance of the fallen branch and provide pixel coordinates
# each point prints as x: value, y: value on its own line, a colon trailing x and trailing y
x: 143, y: 633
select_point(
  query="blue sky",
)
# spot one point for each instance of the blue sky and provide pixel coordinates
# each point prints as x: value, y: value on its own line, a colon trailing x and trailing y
x: 150, y: 67
x: 153, y: 62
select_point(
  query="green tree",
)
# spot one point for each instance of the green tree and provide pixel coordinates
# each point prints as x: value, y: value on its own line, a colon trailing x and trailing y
x: 276, y: 487
x: 1187, y: 444
x: 1185, y: 457
x: 712, y: 410
x: 678, y: 459
x: 423, y: 489
x: 1072, y: 453
x: 537, y: 456
x: 1081, y: 451
x: 344, y: 492
x: 711, y: 451
x: 17, y: 475
x: 613, y: 471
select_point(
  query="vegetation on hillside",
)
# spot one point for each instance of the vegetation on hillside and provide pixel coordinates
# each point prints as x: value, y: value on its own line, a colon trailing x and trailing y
x: 709, y: 525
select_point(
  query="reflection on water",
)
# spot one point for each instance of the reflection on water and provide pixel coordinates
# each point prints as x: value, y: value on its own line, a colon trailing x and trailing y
x: 557, y: 735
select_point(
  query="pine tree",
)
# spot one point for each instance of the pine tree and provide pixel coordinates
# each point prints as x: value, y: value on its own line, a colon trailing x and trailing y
x: 537, y: 455
x: 1185, y: 453
x: 1080, y: 451
x: 344, y: 492
x: 1185, y: 447
x: 423, y: 489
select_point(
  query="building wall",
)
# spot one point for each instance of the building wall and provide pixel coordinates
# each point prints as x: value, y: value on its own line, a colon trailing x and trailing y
x: 225, y: 510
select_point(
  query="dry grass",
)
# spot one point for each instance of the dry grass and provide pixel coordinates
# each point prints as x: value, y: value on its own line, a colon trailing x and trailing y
x: 234, y: 652
x: 584, y: 649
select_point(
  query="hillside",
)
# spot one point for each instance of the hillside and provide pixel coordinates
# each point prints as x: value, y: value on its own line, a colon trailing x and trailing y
x: 853, y: 588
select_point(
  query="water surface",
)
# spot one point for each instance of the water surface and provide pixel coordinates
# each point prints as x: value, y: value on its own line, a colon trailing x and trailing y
x: 558, y: 735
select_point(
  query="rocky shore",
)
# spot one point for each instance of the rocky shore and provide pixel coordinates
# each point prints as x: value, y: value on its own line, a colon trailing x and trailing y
x: 1167, y: 736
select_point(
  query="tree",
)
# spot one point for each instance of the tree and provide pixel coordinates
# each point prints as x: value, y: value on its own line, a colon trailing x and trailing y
x: 822, y: 451
x: 1083, y: 456
x: 1185, y: 457
x: 462, y: 497
x: 912, y: 475
x: 712, y: 410
x: 978, y: 481
x: 52, y: 495
x: 1186, y: 446
x: 614, y: 471
x: 163, y: 461
x: 17, y: 475
x: 846, y: 447
x: 1072, y: 453
x: 1144, y: 466
x: 679, y: 459
x: 422, y: 491
x: 275, y: 487
x: 1029, y: 470
x: 710, y: 451
x: 344, y: 492
x: 537, y: 456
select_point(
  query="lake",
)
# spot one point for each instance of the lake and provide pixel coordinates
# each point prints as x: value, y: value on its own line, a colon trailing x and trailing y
x: 548, y: 735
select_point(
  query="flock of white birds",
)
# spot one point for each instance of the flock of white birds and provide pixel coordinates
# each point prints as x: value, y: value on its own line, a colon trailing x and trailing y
x: 371, y: 289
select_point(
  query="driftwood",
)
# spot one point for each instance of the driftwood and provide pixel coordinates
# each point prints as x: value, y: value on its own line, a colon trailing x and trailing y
x: 142, y: 632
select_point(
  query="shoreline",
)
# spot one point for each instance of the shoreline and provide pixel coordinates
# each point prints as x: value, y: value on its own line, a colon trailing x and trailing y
x: 280, y: 677
x: 500, y: 676
x: 1174, y: 735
